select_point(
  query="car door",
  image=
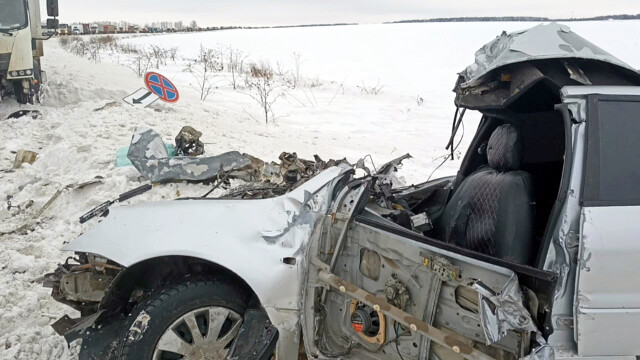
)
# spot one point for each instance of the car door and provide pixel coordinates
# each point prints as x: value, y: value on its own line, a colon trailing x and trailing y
x: 608, y: 288
x: 468, y: 299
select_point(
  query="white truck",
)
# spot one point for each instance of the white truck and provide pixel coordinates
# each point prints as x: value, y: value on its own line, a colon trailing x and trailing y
x: 77, y: 29
x: 21, y: 47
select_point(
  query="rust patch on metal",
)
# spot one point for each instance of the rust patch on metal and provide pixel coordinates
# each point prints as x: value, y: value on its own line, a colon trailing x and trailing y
x: 453, y: 341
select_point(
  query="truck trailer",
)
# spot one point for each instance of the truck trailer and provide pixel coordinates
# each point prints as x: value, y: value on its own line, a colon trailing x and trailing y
x: 21, y: 47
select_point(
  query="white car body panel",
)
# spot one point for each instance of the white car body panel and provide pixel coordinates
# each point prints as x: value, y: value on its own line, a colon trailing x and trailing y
x: 229, y: 233
x: 249, y: 237
x: 608, y: 295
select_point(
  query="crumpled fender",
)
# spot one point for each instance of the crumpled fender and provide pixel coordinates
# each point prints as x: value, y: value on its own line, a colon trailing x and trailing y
x: 248, y: 237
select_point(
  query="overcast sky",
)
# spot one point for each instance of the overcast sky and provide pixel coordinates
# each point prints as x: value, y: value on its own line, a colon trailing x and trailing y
x: 288, y: 12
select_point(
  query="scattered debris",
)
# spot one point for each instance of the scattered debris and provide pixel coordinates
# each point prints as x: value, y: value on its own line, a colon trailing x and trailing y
x: 24, y: 156
x: 151, y: 158
x: 48, y: 204
x: 108, y: 105
x: 266, y: 180
x: 96, y: 180
x: 30, y: 225
x: 188, y: 142
x: 122, y: 159
x: 20, y: 208
x: 21, y: 113
x: 34, y: 219
x: 103, y: 209
x: 263, y: 179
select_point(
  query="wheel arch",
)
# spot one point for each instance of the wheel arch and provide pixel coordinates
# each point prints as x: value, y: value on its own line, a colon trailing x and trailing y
x: 151, y: 273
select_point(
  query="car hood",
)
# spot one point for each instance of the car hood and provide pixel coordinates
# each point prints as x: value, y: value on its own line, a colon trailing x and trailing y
x: 545, y: 41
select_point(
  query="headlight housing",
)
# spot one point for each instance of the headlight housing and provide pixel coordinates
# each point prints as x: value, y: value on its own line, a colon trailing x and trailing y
x: 20, y: 73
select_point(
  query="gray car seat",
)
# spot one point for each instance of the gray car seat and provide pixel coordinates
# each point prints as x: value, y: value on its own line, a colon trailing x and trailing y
x: 493, y: 209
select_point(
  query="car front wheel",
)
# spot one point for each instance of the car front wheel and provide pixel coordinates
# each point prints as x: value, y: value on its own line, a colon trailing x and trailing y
x: 193, y: 319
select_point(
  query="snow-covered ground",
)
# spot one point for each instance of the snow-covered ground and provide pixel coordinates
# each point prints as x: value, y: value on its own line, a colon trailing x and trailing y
x: 75, y: 143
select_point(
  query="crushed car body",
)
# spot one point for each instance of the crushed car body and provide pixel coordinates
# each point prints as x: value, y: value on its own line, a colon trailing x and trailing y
x: 493, y: 263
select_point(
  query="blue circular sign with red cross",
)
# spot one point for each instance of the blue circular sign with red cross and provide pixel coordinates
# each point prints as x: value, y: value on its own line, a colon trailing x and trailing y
x: 161, y: 86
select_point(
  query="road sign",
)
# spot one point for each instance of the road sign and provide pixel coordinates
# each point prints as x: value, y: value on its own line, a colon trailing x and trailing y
x: 162, y: 87
x: 142, y: 97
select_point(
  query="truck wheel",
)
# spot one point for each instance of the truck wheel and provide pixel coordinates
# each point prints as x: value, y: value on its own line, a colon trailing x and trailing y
x: 187, y: 320
x: 21, y: 97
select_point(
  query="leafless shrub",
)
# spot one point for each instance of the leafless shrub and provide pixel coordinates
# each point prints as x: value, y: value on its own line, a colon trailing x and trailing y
x: 261, y: 71
x: 78, y: 46
x: 203, y: 70
x: 313, y: 83
x: 158, y: 55
x: 419, y: 100
x: 127, y: 49
x: 265, y: 90
x: 106, y: 40
x: 140, y: 62
x: 281, y: 71
x: 64, y: 41
x: 93, y: 51
x: 172, y: 53
x: 371, y: 90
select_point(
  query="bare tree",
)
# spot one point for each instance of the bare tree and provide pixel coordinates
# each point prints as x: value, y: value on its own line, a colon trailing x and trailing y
x: 203, y: 70
x: 297, y: 63
x: 236, y: 60
x: 194, y: 25
x: 265, y: 90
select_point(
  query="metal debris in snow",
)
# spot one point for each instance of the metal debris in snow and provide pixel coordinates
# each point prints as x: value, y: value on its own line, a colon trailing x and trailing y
x: 264, y: 179
x: 151, y: 158
x: 22, y: 113
x: 188, y: 142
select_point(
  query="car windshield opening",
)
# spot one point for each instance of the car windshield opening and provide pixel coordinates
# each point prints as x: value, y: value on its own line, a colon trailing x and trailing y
x: 13, y: 14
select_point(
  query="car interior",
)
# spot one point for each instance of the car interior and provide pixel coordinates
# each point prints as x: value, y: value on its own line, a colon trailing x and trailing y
x: 501, y: 201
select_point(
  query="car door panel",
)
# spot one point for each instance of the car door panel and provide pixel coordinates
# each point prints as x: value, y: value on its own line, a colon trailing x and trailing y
x: 608, y: 294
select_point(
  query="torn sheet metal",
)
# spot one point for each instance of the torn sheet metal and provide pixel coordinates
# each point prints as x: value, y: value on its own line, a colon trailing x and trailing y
x: 267, y: 180
x: 150, y: 156
x: 188, y: 142
x: 542, y: 352
x: 503, y: 311
x: 545, y: 41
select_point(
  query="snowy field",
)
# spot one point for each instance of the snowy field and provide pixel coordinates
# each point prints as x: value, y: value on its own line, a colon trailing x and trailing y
x: 327, y: 114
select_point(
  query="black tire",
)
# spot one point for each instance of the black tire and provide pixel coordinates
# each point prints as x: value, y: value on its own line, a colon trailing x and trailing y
x: 21, y: 97
x: 151, y: 318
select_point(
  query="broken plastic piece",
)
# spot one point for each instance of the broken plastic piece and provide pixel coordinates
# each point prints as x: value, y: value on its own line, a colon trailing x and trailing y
x: 24, y: 156
x: 123, y: 161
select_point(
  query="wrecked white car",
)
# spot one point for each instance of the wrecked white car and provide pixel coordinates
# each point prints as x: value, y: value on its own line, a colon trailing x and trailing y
x: 526, y: 252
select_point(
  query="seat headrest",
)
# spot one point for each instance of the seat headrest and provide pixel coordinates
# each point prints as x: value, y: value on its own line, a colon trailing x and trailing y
x: 504, y: 151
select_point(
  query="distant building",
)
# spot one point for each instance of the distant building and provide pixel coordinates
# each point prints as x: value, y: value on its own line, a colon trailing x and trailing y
x: 108, y: 29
